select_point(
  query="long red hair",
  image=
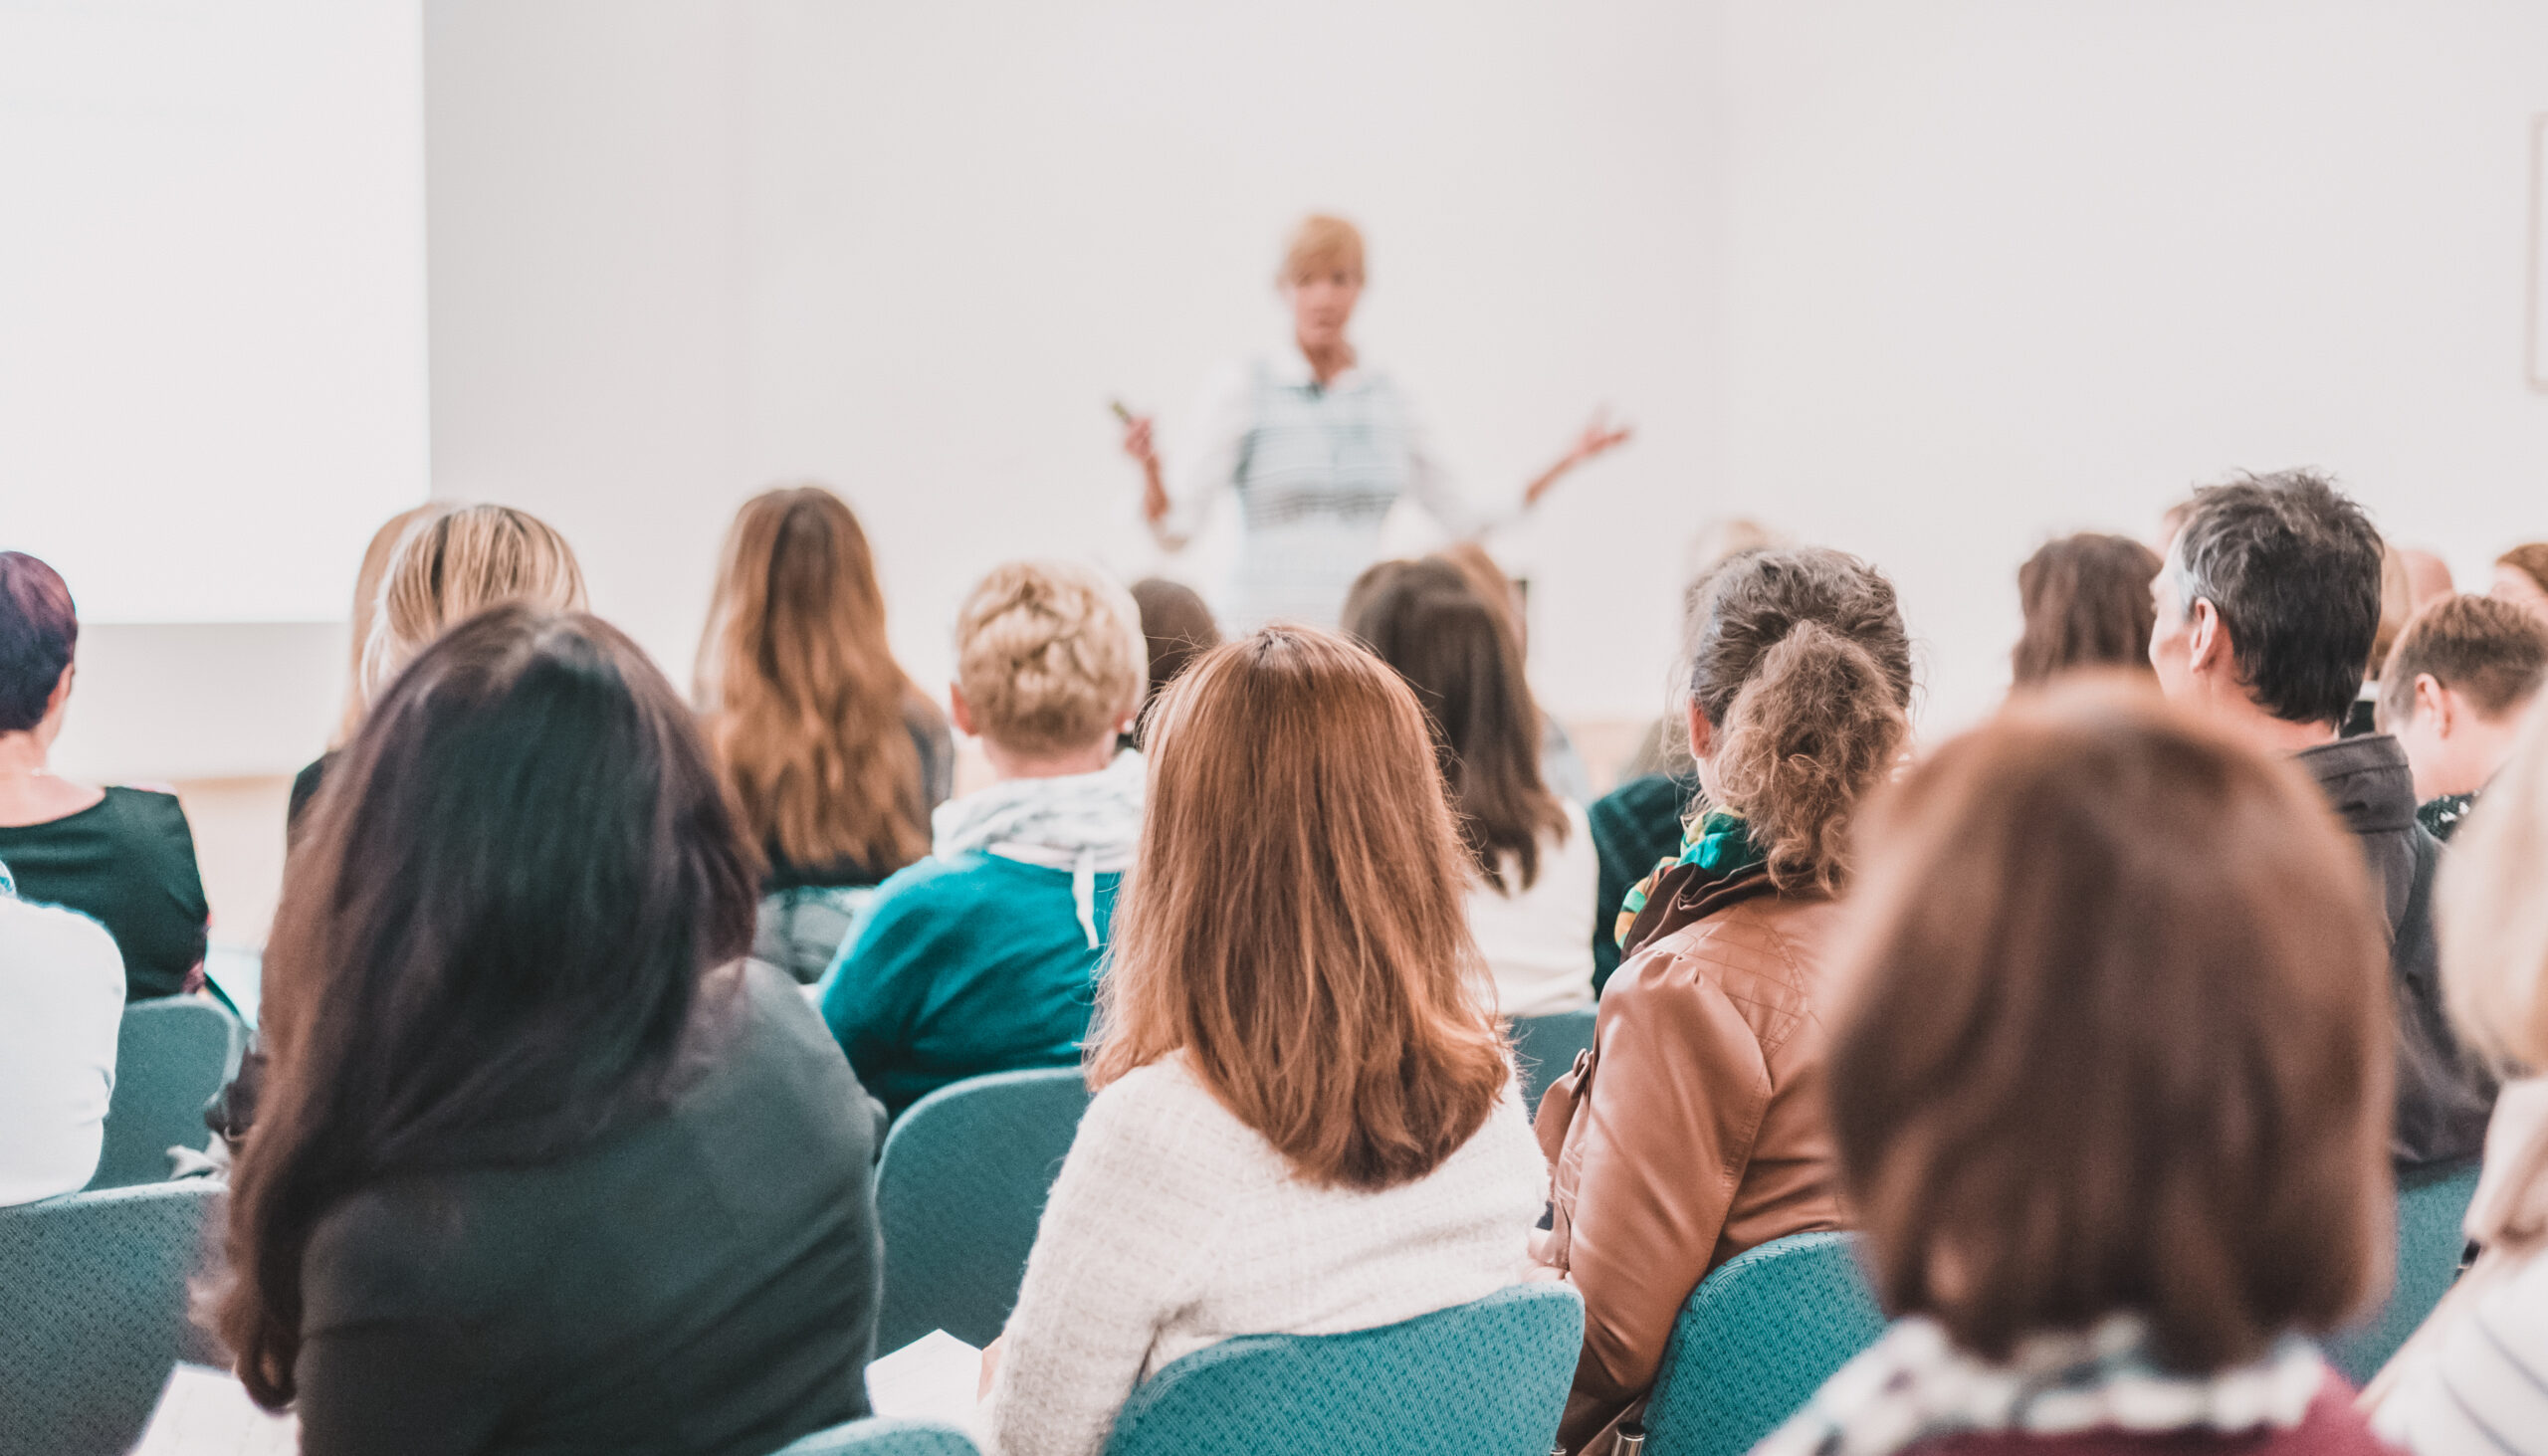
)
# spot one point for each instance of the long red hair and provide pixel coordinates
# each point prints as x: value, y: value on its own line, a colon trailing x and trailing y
x: 1296, y: 924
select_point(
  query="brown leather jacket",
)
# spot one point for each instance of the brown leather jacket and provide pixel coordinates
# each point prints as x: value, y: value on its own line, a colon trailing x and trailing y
x: 1692, y: 1131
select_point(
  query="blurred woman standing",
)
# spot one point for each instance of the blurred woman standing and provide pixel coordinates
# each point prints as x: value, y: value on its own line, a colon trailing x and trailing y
x: 1317, y: 447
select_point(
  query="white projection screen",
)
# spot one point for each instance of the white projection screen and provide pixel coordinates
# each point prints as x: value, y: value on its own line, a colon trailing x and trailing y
x: 212, y: 297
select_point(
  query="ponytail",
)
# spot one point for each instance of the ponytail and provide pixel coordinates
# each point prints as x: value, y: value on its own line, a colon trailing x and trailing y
x: 1800, y: 661
x: 1810, y: 734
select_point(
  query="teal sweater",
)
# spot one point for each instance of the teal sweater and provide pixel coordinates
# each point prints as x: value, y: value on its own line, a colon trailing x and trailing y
x: 963, y: 966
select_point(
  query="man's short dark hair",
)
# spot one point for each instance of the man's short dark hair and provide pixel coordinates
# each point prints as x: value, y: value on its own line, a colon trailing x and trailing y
x: 2491, y: 652
x: 2292, y: 566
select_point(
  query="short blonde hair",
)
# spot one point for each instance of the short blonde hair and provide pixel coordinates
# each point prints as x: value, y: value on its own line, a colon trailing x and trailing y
x: 2490, y: 918
x: 452, y: 566
x: 1049, y: 655
x: 1323, y: 244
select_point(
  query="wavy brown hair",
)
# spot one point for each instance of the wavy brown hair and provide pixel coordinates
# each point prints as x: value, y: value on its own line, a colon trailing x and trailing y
x: 805, y: 707
x: 1459, y: 653
x: 2087, y: 604
x: 492, y: 941
x: 2113, y: 1034
x: 1799, y: 661
x: 1295, y: 924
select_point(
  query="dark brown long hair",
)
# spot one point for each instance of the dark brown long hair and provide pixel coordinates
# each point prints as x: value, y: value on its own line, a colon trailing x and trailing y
x: 2113, y: 1035
x: 1295, y: 923
x: 490, y: 939
x: 2087, y: 603
x: 806, y: 709
x: 1459, y: 654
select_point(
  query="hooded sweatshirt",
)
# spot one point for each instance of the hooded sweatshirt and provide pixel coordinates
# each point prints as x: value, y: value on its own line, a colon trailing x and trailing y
x: 985, y: 956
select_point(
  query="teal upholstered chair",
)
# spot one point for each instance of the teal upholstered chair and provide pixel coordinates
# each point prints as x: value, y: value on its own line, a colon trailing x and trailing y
x: 879, y: 1437
x: 1758, y: 1338
x: 92, y: 1313
x: 1487, y: 1378
x: 2430, y: 1206
x: 171, y: 1056
x: 1544, y: 1049
x: 958, y: 1193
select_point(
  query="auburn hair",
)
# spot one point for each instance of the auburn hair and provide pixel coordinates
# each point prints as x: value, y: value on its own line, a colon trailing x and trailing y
x: 1295, y: 923
x: 1459, y: 653
x: 807, y: 713
x: 2087, y: 604
x: 453, y: 563
x: 2113, y: 1034
x: 1799, y: 661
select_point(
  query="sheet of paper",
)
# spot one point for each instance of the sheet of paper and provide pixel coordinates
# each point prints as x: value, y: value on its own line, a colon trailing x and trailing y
x: 932, y: 1378
x: 206, y: 1412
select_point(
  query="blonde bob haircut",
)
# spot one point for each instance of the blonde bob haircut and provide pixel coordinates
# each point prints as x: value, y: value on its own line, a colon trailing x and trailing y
x: 1050, y: 656
x: 452, y: 564
x: 2491, y: 919
x: 1295, y: 923
x: 1322, y: 245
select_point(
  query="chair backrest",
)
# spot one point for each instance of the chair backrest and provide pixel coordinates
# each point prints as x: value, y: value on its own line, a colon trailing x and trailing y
x: 1758, y: 1338
x: 958, y: 1193
x: 877, y: 1436
x: 92, y: 1313
x: 2430, y: 1207
x: 1487, y: 1378
x: 1544, y: 1048
x: 171, y: 1056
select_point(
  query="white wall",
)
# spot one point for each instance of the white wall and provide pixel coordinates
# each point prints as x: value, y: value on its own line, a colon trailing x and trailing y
x: 1996, y: 270
x: 682, y: 250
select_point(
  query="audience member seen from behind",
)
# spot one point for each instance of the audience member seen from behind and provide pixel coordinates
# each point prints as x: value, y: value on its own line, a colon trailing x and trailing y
x: 61, y: 1002
x: 447, y: 564
x: 2474, y: 1378
x: 1176, y: 628
x: 2115, y: 1166
x: 2521, y: 577
x: 1562, y: 768
x: 2086, y: 599
x: 983, y: 956
x: 1532, y: 866
x: 544, y: 1162
x: 2267, y: 608
x: 365, y: 611
x: 1305, y: 1121
x: 830, y: 756
x: 124, y: 857
x: 1709, y: 1049
x: 2456, y: 684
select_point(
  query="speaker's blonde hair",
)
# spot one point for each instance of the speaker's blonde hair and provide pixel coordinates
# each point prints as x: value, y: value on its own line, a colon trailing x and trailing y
x: 1050, y: 656
x: 1323, y: 244
x: 450, y: 567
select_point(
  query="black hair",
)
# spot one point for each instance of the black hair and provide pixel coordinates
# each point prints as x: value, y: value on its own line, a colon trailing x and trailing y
x: 2292, y: 566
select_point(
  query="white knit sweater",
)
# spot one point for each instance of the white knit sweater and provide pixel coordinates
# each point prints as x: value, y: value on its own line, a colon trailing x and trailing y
x: 1174, y: 1226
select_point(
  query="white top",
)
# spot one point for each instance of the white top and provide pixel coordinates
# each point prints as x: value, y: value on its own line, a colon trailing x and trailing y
x: 1538, y: 941
x: 60, y: 1001
x: 1174, y: 1226
x: 1316, y: 469
x: 2485, y: 1392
